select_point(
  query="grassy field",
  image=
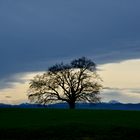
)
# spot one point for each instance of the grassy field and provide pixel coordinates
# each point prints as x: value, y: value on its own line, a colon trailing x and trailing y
x: 59, y: 124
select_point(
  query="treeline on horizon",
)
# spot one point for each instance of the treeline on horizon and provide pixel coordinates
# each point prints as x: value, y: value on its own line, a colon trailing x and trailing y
x: 108, y: 106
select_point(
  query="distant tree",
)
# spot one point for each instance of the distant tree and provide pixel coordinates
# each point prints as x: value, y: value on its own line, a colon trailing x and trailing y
x: 71, y: 83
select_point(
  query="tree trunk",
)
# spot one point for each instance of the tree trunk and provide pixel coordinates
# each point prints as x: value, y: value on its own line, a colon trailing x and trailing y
x: 71, y: 105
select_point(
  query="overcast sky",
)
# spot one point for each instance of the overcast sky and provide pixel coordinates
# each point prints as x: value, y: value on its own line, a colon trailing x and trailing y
x: 37, y: 33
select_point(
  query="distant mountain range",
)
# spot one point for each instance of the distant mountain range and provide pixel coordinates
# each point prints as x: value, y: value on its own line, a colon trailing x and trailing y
x: 112, y: 105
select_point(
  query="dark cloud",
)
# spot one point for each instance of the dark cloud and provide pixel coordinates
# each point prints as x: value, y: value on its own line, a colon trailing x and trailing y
x: 132, y: 90
x: 7, y: 82
x: 124, y: 95
x: 35, y: 34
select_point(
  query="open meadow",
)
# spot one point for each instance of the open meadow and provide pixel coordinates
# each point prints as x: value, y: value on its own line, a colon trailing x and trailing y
x: 63, y: 124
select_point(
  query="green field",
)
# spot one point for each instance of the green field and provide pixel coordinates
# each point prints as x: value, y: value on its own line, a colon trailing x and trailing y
x: 59, y: 124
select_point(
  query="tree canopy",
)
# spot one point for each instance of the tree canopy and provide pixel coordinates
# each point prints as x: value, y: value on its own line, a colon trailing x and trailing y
x: 74, y: 82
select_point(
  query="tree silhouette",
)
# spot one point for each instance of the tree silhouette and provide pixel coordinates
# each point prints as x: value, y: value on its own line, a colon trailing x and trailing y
x: 71, y: 83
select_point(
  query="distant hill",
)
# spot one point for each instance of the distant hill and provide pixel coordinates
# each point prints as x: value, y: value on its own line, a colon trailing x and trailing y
x: 24, y: 105
x: 108, y: 106
x: 114, y: 102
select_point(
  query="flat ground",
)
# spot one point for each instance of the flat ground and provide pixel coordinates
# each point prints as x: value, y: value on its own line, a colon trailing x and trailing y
x: 60, y: 124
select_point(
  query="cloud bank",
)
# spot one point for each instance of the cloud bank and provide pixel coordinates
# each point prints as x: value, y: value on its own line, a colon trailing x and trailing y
x: 35, y: 34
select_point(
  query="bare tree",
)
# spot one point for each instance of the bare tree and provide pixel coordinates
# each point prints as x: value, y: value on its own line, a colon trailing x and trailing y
x: 71, y: 83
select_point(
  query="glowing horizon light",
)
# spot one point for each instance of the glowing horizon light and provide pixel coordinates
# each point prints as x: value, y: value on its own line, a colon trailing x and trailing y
x: 17, y: 93
x: 122, y: 78
x: 121, y: 75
